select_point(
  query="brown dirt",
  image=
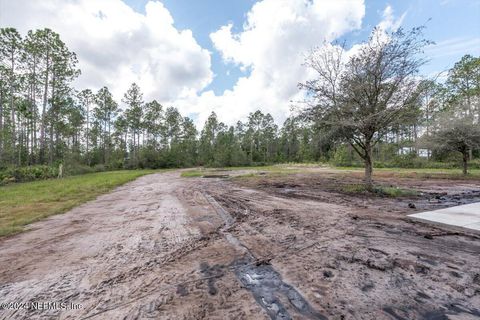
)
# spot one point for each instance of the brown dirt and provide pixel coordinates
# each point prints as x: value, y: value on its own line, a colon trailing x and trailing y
x: 287, y: 247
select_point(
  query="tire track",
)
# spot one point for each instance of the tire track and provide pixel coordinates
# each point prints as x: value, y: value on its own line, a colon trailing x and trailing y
x: 262, y: 280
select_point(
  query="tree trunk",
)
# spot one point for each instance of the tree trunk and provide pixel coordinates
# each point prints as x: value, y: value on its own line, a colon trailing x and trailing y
x: 44, y: 109
x: 368, y: 174
x: 34, y: 111
x: 12, y: 107
x: 87, y: 133
x: 50, y: 148
x: 53, y: 117
x: 368, y: 166
x: 20, y: 141
x: 1, y: 125
x: 108, y: 141
x: 465, y: 163
x: 125, y: 150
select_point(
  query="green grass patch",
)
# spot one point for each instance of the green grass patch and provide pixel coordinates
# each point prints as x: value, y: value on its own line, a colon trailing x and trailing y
x: 24, y: 203
x: 263, y: 168
x: 258, y: 174
x: 423, y: 173
x: 247, y: 176
x: 393, y: 192
x: 252, y: 172
x: 275, y: 167
x: 192, y: 174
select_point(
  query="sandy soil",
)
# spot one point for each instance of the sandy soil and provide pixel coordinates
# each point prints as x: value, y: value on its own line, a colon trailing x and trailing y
x: 289, y: 247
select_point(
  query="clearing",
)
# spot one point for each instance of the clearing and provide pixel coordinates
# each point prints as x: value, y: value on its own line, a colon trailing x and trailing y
x: 290, y: 243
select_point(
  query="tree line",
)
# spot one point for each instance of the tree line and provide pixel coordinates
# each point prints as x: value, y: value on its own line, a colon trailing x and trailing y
x: 44, y: 120
x: 371, y: 106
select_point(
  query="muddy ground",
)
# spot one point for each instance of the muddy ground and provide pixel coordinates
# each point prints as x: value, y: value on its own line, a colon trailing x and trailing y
x: 265, y: 247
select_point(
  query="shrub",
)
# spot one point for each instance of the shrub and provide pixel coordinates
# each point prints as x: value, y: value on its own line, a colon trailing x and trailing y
x: 343, y: 157
x: 99, y: 168
x: 383, y: 191
x: 24, y: 174
x: 77, y: 169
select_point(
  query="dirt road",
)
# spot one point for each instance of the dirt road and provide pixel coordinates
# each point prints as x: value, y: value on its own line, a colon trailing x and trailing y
x: 167, y: 247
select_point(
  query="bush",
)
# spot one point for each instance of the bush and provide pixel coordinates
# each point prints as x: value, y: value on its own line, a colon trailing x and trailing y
x: 382, y: 191
x: 43, y: 172
x: 116, y: 164
x: 99, y: 168
x: 411, y: 161
x: 77, y: 169
x: 474, y: 164
x: 343, y: 157
x: 24, y: 174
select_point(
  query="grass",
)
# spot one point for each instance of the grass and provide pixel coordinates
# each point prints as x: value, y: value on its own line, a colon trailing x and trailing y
x: 262, y: 168
x: 426, y: 173
x: 24, y: 203
x: 269, y: 174
x: 192, y: 174
x: 253, y: 171
x: 292, y: 168
x: 393, y: 192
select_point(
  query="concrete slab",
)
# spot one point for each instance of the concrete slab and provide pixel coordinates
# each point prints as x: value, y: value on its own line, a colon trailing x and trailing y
x: 466, y: 216
x: 474, y: 226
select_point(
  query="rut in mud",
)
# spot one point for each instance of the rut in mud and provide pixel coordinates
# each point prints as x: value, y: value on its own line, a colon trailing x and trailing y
x: 263, y: 281
x: 167, y: 247
x: 156, y: 247
x: 271, y: 292
x: 370, y: 260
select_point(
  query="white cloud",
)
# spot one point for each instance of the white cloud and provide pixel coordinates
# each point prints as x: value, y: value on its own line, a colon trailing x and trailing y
x: 389, y: 23
x: 117, y: 46
x: 272, y: 46
x: 454, y: 47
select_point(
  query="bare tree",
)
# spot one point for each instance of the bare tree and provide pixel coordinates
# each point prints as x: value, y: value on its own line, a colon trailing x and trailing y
x: 362, y: 96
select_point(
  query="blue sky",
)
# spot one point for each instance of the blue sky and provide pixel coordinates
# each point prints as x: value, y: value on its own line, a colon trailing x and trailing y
x: 450, y: 24
x: 204, y: 17
x: 231, y: 56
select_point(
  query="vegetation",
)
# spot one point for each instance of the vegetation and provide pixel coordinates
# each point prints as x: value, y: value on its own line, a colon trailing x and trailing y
x: 192, y: 174
x: 23, y: 174
x: 457, y: 134
x: 24, y: 203
x: 420, y: 173
x: 252, y: 170
x: 375, y: 90
x: 383, y: 191
x: 378, y: 113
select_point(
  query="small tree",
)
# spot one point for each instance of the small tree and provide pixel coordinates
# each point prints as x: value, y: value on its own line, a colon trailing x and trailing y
x: 359, y: 99
x: 456, y: 134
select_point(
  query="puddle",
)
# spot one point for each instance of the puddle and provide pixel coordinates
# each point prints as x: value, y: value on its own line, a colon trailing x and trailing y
x: 456, y: 199
x: 271, y: 293
x: 275, y: 296
x: 222, y: 176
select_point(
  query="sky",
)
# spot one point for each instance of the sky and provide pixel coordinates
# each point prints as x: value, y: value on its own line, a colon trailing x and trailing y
x: 232, y: 57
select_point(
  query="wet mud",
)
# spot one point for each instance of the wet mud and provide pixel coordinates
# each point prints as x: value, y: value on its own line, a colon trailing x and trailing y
x: 269, y: 290
x: 285, y: 247
x: 263, y: 281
